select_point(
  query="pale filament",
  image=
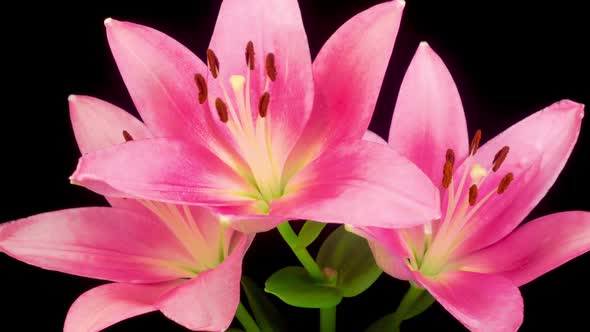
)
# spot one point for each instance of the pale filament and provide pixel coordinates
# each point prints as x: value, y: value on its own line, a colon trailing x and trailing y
x: 253, y: 139
x: 458, y: 216
x: 186, y: 230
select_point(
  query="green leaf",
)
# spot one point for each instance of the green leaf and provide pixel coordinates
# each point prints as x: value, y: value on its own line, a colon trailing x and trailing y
x: 351, y: 259
x: 267, y: 316
x: 295, y: 287
x: 309, y: 232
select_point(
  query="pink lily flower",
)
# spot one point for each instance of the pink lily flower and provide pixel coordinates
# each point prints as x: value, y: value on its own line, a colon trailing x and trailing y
x: 261, y: 132
x: 474, y: 257
x: 181, y: 260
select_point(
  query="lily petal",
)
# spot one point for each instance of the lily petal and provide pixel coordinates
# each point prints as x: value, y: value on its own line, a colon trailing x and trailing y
x: 273, y: 27
x: 98, y: 124
x: 161, y: 169
x: 362, y: 184
x: 535, y: 248
x: 109, y: 304
x: 539, y: 148
x: 482, y: 302
x: 209, y: 301
x: 428, y: 117
x: 350, y: 67
x: 372, y: 137
x: 244, y: 218
x: 159, y: 74
x: 348, y: 73
x: 99, y: 242
x: 388, y: 248
x: 413, y: 237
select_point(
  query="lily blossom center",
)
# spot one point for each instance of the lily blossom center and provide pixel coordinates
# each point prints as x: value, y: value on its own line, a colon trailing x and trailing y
x: 181, y: 222
x: 248, y: 120
x: 463, y: 200
x: 205, y: 250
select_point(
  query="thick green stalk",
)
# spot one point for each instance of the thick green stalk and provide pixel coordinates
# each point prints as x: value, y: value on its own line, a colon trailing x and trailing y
x: 302, y: 254
x: 327, y: 315
x: 246, y: 320
x: 406, y: 305
x: 328, y: 319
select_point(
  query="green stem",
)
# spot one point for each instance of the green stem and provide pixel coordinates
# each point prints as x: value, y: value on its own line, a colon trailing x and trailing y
x: 327, y: 315
x: 406, y: 304
x: 328, y: 319
x: 245, y: 319
x: 302, y: 254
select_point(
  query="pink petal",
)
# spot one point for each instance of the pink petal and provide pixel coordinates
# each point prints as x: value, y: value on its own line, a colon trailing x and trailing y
x: 159, y: 74
x: 273, y: 27
x: 535, y: 248
x: 98, y: 124
x: 245, y: 219
x: 212, y: 226
x: 348, y: 73
x: 349, y: 70
x: 389, y: 250
x: 162, y: 170
x: 372, y: 137
x: 539, y: 148
x: 362, y: 184
x: 100, y: 242
x: 109, y: 304
x: 482, y: 302
x: 413, y: 236
x: 209, y: 301
x: 428, y: 117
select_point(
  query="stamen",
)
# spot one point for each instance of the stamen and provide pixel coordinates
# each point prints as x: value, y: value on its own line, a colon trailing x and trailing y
x: 472, y: 194
x: 202, y: 86
x: 505, y: 182
x: 250, y: 55
x: 447, y: 174
x: 477, y: 172
x: 475, y: 142
x: 221, y: 110
x: 213, y: 62
x: 127, y: 136
x: 500, y: 157
x: 450, y: 156
x: 263, y: 104
x: 271, y: 68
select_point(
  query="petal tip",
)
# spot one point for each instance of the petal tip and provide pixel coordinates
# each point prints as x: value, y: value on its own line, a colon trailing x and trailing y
x: 401, y: 3
x: 425, y: 50
x: 72, y: 98
x: 567, y: 105
x: 108, y: 22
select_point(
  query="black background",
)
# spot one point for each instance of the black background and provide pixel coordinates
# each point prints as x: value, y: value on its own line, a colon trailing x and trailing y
x: 508, y: 62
